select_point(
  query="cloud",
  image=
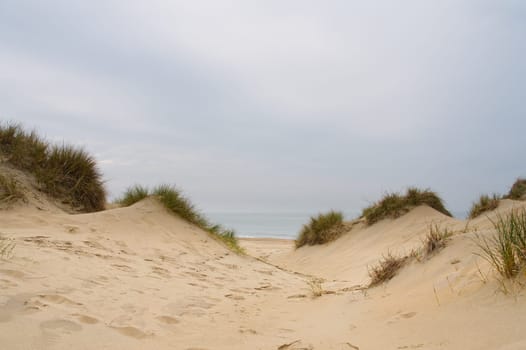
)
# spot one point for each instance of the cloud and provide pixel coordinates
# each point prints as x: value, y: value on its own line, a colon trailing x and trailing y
x: 276, y: 104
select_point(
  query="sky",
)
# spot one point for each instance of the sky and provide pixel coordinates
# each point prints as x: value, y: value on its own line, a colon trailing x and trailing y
x: 276, y: 106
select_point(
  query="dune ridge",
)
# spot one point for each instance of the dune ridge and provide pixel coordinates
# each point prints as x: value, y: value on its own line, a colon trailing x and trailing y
x: 139, y: 277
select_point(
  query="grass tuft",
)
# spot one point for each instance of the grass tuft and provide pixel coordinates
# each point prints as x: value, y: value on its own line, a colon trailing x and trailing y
x: 394, y: 205
x: 506, y: 251
x: 7, y: 245
x: 436, y: 239
x: 385, y: 269
x: 9, y: 190
x: 64, y: 172
x: 484, y: 204
x: 518, y: 190
x: 133, y: 195
x: 71, y: 173
x: 176, y: 203
x: 321, y: 229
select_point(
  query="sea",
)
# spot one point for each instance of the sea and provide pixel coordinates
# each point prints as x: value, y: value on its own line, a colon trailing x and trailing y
x: 264, y: 224
x: 272, y: 225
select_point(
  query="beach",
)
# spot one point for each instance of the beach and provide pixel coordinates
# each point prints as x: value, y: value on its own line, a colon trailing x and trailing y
x: 141, y: 278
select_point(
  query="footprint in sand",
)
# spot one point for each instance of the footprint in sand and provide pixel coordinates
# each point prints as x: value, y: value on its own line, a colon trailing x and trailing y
x: 131, y: 332
x: 65, y: 326
x: 86, y: 319
x: 58, y: 299
x: 13, y: 273
x: 167, y: 319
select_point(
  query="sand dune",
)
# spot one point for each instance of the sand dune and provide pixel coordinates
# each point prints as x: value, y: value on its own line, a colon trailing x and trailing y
x: 140, y: 278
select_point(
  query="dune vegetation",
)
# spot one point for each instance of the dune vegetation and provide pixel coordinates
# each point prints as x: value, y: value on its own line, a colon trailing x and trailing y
x: 64, y: 172
x: 321, y: 229
x: 484, y: 204
x: 175, y: 202
x: 506, y: 250
x: 518, y: 190
x: 386, y: 269
x: 9, y: 190
x: 394, y: 205
x: 436, y: 240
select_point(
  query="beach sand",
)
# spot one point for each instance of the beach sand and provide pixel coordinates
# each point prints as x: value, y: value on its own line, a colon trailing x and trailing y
x: 141, y: 278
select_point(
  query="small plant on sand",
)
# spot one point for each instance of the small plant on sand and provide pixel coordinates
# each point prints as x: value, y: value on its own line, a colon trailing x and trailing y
x: 394, y: 205
x: 9, y: 190
x: 484, y: 204
x: 385, y: 269
x: 315, y: 287
x: 436, y: 239
x: 64, y: 172
x: 321, y: 229
x: 518, y: 190
x: 506, y: 251
x: 6, y: 248
x: 175, y: 202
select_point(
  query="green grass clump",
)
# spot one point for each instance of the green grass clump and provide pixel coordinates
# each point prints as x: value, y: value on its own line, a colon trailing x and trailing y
x: 64, y: 172
x: 175, y: 202
x: 394, y: 205
x: 518, y: 190
x: 506, y: 251
x: 24, y: 150
x: 484, y: 204
x: 9, y: 190
x: 321, y: 229
x: 71, y: 173
x: 133, y: 195
x: 385, y: 269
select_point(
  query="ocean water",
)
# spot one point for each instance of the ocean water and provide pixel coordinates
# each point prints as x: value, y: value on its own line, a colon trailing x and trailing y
x: 263, y: 225
x: 272, y: 225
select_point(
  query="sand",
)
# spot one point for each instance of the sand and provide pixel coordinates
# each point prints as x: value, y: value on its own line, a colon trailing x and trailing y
x: 141, y: 278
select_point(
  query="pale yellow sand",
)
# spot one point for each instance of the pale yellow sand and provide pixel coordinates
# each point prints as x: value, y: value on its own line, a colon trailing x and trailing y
x: 139, y: 278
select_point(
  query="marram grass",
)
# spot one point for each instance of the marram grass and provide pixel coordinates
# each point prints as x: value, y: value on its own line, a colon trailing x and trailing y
x: 518, y: 190
x: 321, y: 229
x: 483, y: 205
x: 9, y: 190
x: 65, y: 172
x: 394, y: 205
x: 175, y: 202
x: 506, y: 250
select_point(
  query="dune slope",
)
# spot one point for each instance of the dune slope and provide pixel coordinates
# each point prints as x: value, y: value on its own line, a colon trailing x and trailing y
x: 141, y: 278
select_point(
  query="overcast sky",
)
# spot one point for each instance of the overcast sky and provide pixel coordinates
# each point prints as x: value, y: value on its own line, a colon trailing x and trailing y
x: 277, y: 105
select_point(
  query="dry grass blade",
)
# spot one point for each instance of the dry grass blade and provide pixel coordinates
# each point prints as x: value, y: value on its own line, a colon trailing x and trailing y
x: 436, y: 239
x: 9, y: 190
x: 385, y: 269
x: 7, y: 246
